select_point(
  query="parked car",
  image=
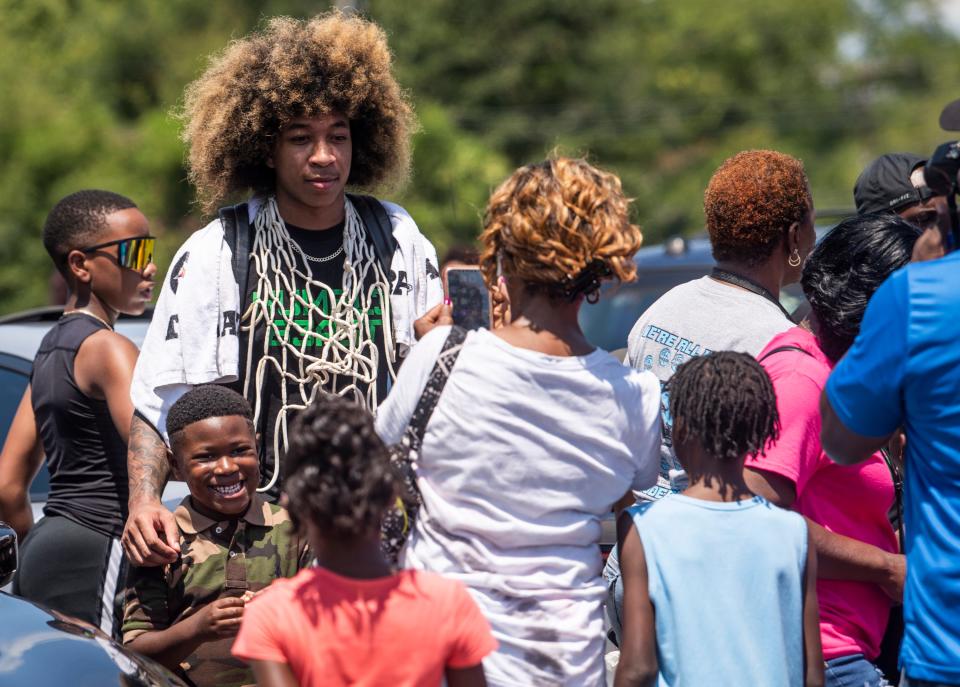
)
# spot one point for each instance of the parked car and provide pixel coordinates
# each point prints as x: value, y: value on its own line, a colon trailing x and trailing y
x: 607, y: 322
x: 20, y: 337
x: 42, y: 648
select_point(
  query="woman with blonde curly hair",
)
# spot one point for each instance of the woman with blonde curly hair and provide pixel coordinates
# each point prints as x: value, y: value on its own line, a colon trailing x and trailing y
x: 303, y: 289
x: 536, y: 433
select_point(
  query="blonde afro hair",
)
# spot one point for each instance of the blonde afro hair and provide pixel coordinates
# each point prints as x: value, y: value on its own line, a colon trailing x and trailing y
x: 249, y: 92
x: 751, y: 201
x: 549, y: 221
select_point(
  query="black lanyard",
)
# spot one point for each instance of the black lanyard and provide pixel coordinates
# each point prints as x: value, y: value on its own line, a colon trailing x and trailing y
x: 749, y: 285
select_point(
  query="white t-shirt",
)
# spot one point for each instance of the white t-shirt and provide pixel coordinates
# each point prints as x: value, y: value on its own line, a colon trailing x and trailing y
x: 524, y: 454
x: 690, y: 320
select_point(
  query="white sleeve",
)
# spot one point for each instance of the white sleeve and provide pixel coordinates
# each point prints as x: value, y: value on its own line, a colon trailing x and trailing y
x: 395, y: 412
x: 434, y: 285
x: 154, y: 386
x: 646, y: 433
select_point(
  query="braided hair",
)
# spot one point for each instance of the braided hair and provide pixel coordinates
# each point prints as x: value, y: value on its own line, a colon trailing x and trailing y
x: 340, y: 477
x: 726, y: 402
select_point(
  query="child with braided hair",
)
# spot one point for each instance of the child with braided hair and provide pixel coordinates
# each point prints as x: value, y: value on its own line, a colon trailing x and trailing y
x: 719, y: 584
x: 351, y: 620
x: 536, y: 433
x: 304, y: 289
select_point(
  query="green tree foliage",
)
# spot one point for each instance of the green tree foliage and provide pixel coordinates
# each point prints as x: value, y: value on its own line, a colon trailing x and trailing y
x: 660, y: 91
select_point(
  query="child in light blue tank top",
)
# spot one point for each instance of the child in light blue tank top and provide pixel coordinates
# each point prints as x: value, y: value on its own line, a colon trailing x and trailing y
x: 719, y: 584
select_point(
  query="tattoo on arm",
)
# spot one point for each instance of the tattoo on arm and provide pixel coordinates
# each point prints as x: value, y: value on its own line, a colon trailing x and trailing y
x: 146, y: 462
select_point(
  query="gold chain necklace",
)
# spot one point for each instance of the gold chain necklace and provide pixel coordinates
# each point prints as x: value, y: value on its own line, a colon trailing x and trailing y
x: 81, y: 311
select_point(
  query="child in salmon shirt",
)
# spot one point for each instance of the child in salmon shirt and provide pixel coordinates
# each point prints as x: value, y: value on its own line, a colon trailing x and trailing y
x: 351, y: 620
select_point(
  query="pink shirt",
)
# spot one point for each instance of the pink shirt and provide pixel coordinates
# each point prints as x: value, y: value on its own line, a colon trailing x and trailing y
x: 402, y: 630
x: 849, y: 500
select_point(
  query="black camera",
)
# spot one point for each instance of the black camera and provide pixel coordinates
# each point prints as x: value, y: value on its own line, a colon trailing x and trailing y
x: 940, y: 175
x: 941, y: 169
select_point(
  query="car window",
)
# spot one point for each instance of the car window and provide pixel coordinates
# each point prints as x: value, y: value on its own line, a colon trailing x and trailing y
x: 607, y: 322
x: 14, y: 377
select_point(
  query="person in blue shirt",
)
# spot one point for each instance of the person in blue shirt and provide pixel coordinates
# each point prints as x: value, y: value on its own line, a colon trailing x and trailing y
x: 719, y: 585
x: 904, y: 371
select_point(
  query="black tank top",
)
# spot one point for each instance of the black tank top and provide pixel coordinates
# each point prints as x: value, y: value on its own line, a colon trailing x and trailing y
x: 86, y: 457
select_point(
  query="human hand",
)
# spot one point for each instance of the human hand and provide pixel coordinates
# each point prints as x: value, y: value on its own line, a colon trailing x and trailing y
x: 150, y: 535
x: 500, y: 301
x: 220, y: 618
x: 896, y: 576
x: 438, y: 316
x: 929, y: 246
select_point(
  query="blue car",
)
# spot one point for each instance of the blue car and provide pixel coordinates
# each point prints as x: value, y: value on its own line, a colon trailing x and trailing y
x: 608, y: 322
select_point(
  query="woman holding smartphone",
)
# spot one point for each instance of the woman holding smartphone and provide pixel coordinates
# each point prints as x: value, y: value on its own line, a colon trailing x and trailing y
x: 537, y: 433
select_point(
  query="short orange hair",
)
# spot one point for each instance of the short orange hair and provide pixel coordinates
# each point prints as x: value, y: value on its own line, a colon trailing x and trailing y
x: 548, y: 221
x: 750, y: 202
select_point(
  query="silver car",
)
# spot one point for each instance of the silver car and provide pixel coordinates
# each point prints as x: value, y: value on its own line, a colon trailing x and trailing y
x: 20, y: 337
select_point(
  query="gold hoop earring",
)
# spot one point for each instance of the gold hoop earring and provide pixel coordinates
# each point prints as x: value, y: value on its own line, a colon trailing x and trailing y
x: 794, y: 260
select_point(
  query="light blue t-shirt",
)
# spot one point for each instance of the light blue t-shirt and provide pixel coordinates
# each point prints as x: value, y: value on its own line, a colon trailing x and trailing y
x: 904, y: 370
x: 726, y: 581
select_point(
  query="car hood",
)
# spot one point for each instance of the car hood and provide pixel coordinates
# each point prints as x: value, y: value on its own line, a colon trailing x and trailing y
x: 42, y: 648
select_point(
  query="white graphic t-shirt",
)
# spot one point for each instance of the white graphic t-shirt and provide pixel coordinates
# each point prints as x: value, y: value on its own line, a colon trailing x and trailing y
x: 690, y: 320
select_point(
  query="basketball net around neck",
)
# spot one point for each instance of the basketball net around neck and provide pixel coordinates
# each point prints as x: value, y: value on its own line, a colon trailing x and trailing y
x: 343, y: 358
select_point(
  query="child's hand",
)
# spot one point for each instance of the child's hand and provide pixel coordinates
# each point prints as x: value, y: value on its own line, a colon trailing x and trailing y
x: 221, y: 618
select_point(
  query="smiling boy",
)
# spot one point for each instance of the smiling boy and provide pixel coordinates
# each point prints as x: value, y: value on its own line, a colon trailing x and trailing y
x: 232, y: 543
x: 305, y: 288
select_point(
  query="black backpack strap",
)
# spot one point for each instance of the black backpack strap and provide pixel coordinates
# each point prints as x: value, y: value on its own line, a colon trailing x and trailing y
x: 379, y: 228
x: 236, y: 232
x: 782, y: 349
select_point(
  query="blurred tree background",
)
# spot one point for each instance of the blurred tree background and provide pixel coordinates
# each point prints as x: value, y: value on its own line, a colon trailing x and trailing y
x: 660, y: 91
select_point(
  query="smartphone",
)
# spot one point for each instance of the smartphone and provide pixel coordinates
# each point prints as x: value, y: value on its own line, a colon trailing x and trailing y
x: 471, y: 300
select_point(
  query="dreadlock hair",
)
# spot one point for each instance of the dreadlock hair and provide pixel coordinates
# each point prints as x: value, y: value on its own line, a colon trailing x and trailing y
x: 203, y: 402
x: 77, y: 220
x: 726, y: 402
x: 339, y: 475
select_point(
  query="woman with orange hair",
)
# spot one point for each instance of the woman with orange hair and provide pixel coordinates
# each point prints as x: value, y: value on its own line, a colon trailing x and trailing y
x: 536, y: 433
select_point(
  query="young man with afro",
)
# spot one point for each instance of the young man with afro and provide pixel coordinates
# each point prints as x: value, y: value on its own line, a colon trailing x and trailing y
x: 304, y: 288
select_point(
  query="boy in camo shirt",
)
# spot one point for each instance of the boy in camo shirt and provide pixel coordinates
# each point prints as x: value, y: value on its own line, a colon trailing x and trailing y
x: 232, y: 543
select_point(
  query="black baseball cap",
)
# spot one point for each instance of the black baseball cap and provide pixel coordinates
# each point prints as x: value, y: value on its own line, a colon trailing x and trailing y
x: 885, y: 184
x: 950, y: 117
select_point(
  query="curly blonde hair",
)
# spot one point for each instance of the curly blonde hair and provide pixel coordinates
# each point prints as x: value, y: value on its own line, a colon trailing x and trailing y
x: 331, y: 63
x: 751, y: 200
x: 549, y: 221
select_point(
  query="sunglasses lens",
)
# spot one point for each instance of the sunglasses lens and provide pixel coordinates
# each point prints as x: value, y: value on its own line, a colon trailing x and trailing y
x: 136, y: 254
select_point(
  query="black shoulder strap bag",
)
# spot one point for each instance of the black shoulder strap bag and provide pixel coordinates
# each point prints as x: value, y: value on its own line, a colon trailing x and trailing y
x: 399, y: 521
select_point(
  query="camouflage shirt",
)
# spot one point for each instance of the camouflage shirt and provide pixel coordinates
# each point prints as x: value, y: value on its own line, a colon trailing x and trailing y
x: 226, y: 558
